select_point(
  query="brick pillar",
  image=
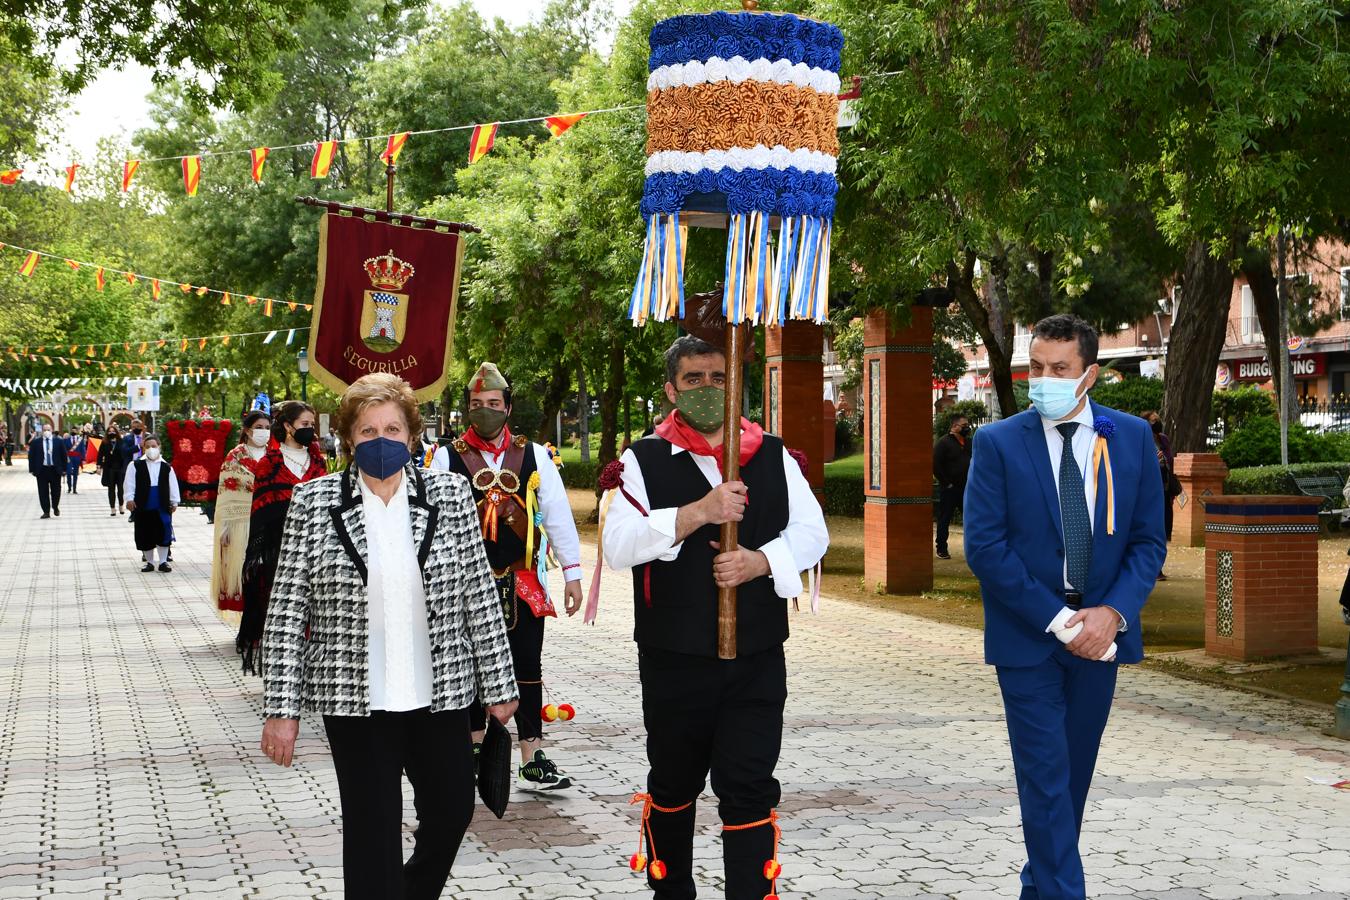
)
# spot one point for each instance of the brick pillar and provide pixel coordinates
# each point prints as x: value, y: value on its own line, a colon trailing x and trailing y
x: 898, y: 448
x: 794, y: 377
x: 1201, y: 476
x: 1261, y: 576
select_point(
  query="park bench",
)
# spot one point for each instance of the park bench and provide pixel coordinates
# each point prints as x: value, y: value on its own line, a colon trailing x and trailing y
x: 1329, y: 488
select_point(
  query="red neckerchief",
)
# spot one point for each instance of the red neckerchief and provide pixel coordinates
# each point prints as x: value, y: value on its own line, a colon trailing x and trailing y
x: 680, y: 433
x: 477, y: 442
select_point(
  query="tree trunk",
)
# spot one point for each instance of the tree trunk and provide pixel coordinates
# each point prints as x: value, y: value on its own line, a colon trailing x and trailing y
x: 993, y: 331
x: 1256, y: 267
x: 583, y: 413
x: 559, y: 380
x: 1198, y: 328
x: 610, y: 398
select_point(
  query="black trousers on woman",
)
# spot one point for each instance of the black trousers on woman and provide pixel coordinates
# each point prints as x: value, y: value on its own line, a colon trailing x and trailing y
x: 371, y: 754
x: 526, y: 637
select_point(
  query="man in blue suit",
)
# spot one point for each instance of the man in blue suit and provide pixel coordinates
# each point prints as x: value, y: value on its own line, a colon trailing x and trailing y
x: 1064, y: 530
x: 47, y: 463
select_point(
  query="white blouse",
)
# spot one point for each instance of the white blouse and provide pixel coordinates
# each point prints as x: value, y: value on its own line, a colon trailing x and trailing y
x: 400, y: 643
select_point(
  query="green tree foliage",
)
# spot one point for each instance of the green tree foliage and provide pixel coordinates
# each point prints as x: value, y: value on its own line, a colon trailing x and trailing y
x: 1237, y: 406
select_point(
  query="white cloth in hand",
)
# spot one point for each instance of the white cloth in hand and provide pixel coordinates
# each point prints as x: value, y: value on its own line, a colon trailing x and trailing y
x: 1067, y: 635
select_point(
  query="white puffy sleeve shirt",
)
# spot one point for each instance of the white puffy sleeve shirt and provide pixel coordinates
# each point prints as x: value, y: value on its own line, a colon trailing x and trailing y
x: 632, y: 538
x: 400, y: 642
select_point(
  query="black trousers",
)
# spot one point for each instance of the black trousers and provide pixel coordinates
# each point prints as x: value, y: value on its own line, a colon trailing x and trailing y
x: 723, y: 717
x: 949, y: 498
x: 371, y: 754
x: 527, y: 655
x: 115, y: 498
x: 49, y: 487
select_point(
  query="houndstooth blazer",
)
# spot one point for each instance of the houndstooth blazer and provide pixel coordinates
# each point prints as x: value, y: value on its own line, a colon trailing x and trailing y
x: 321, y: 583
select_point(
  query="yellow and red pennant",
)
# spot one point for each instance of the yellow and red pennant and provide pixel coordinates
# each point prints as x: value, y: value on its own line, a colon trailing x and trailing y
x: 72, y: 263
x: 324, y: 151
x: 267, y: 307
x: 10, y: 176
x: 257, y: 158
x: 98, y: 277
x: 225, y: 299
x: 130, y: 276
x: 185, y: 288
x: 192, y: 174
x: 154, y: 288
x: 70, y: 176
x: 481, y: 141
x: 558, y: 124
x: 29, y: 264
x: 394, y: 147
x: 129, y: 172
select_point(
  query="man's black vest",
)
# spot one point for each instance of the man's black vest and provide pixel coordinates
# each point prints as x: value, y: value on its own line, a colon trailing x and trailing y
x: 142, y: 497
x: 508, y: 551
x: 676, y: 602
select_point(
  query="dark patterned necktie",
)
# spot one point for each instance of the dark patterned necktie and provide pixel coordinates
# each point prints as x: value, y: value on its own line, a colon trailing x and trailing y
x: 1073, y: 511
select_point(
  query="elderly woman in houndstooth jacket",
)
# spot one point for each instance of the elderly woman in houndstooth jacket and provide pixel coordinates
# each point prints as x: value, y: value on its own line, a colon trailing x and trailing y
x: 383, y: 568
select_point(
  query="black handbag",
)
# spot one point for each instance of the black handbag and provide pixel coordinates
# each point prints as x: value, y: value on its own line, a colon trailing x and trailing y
x: 494, y: 767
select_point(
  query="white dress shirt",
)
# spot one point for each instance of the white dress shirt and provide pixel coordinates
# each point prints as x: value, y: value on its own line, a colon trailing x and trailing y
x: 47, y: 450
x: 631, y: 539
x: 152, y: 467
x: 559, y: 525
x: 1083, y: 438
x: 400, y: 643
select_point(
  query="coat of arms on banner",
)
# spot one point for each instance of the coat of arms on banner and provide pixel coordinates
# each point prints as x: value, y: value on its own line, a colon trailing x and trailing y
x: 384, y: 312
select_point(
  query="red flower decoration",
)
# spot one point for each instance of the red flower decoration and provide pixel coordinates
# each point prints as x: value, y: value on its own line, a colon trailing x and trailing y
x: 208, y: 446
x: 230, y: 484
x: 184, y: 446
x: 197, y: 475
x: 611, y: 476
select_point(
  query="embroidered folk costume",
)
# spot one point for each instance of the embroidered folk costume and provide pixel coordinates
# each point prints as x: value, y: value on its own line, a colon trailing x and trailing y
x: 524, y: 518
x: 152, y: 485
x: 275, y: 476
x: 704, y: 714
x: 234, y: 506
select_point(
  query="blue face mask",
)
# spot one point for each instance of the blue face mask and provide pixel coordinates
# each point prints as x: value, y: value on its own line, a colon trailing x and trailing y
x: 380, y: 457
x: 1055, y: 398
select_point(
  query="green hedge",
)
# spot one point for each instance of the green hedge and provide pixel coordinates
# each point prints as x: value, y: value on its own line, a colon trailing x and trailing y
x: 580, y: 475
x: 844, y: 494
x: 1278, y: 479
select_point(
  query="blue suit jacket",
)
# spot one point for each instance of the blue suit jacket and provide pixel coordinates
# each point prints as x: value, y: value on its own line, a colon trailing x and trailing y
x: 60, y: 447
x: 1015, y: 544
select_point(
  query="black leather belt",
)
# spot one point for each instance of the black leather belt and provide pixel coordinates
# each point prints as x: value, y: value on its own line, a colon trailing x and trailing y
x: 1073, y: 599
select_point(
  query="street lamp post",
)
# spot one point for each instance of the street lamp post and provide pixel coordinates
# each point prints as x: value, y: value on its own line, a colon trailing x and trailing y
x: 302, y: 361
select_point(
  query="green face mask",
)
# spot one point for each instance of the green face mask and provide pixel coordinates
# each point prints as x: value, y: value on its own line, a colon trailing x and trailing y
x: 486, y: 421
x: 704, y: 408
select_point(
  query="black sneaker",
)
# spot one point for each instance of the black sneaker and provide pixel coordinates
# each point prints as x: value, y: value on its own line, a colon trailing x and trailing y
x: 165, y: 567
x: 148, y: 567
x: 542, y: 776
x: 943, y: 554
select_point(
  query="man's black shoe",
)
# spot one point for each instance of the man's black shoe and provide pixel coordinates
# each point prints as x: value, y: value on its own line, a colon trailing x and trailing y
x: 45, y: 516
x: 943, y: 554
x: 165, y: 567
x: 148, y: 567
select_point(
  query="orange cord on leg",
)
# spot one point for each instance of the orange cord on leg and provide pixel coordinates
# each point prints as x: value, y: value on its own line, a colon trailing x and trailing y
x: 638, y: 861
x: 772, y: 868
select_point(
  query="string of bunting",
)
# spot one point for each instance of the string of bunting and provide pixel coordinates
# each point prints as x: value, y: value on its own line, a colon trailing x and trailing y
x: 32, y: 257
x: 34, y: 387
x: 103, y: 365
x: 325, y: 151
x: 93, y: 352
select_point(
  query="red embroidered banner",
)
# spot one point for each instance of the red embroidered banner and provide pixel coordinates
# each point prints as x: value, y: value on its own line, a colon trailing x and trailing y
x: 385, y: 302
x: 199, y: 447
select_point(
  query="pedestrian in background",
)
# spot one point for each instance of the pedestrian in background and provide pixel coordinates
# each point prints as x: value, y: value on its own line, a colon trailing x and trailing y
x: 152, y: 491
x: 951, y: 462
x: 385, y: 620
x: 47, y: 463
x: 112, y: 468
x: 79, y: 445
x: 6, y: 445
x: 1166, y: 464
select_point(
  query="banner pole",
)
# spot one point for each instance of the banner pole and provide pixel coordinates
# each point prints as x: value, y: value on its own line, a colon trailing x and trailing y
x: 389, y: 188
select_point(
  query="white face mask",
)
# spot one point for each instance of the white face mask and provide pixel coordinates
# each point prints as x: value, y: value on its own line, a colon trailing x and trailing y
x: 260, y: 436
x: 152, y: 453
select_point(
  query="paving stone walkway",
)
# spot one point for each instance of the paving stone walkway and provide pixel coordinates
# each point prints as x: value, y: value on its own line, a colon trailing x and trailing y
x: 129, y: 769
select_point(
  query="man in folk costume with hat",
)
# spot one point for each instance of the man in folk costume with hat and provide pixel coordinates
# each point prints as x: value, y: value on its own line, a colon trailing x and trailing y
x: 523, y: 508
x: 704, y: 714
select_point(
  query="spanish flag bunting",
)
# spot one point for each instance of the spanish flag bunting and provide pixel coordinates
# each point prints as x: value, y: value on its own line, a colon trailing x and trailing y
x: 131, y: 277
x: 182, y: 348
x: 252, y: 301
x: 201, y: 345
x: 192, y: 174
x: 481, y: 141
x: 201, y: 291
x: 29, y: 264
x: 267, y: 307
x: 394, y: 148
x: 72, y: 263
x: 140, y: 351
x: 292, y: 306
x: 258, y: 156
x: 558, y: 124
x: 225, y: 299
x: 107, y: 349
x: 129, y: 172
x: 309, y: 307
x: 159, y: 345
x: 91, y: 352
x: 185, y: 288
x: 178, y: 370
x: 70, y: 176
x: 127, y: 347
x: 98, y: 277
x: 323, y: 159
x: 10, y: 176
x: 74, y: 348
x: 154, y: 288
x: 225, y: 341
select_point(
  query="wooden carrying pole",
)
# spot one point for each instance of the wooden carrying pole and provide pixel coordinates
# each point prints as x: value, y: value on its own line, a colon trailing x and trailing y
x: 731, y: 471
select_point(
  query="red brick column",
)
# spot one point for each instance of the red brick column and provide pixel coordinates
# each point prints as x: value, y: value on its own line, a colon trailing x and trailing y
x: 794, y: 377
x: 1261, y: 576
x: 898, y: 452
x: 1201, y: 476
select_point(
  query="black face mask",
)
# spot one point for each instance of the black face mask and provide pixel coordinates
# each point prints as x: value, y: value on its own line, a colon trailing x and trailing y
x: 135, y: 431
x: 304, y: 436
x: 966, y: 430
x: 1156, y: 426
